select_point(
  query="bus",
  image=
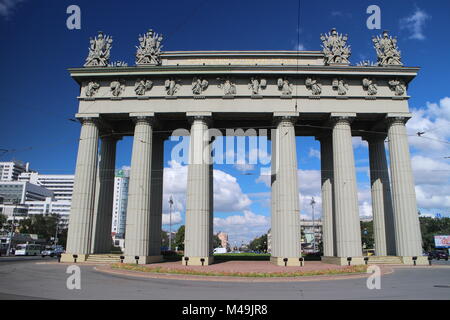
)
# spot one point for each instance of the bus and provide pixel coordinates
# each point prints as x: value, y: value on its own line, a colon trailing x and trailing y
x: 28, y: 249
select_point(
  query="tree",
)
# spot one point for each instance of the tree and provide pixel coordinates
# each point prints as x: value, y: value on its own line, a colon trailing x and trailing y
x: 42, y: 225
x: 217, y: 243
x: 431, y: 227
x: 367, y: 239
x: 259, y: 243
x: 3, y: 220
x: 164, y: 239
x: 179, y: 238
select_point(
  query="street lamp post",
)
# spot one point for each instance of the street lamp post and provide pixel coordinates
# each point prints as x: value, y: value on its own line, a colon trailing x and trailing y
x: 313, y: 202
x: 11, y: 234
x: 56, y: 232
x: 170, y: 223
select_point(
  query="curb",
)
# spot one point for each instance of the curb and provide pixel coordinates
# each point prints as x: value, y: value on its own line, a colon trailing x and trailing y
x: 149, y: 275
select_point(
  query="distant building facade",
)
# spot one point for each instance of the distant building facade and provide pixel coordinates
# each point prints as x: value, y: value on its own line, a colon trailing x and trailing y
x: 223, y: 237
x: 62, y: 187
x: 10, y: 170
x: 120, y: 202
x: 18, y: 194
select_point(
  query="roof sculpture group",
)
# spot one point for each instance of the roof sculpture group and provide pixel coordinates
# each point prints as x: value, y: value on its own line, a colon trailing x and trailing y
x: 334, y: 47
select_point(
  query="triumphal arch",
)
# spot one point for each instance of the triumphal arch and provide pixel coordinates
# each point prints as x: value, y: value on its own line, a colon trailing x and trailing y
x: 297, y: 93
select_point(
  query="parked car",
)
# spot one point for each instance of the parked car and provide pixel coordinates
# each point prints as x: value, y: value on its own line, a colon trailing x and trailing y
x: 438, y: 255
x: 220, y: 250
x: 51, y: 251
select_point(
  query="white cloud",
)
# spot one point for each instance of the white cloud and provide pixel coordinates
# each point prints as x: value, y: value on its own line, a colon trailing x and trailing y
x: 7, y: 7
x: 242, y: 228
x: 228, y: 196
x: 175, y: 216
x: 314, y: 153
x: 415, y: 24
x: 430, y: 171
x: 434, y: 121
x: 358, y: 142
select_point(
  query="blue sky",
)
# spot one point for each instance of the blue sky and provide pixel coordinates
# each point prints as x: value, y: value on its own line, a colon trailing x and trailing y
x: 38, y: 96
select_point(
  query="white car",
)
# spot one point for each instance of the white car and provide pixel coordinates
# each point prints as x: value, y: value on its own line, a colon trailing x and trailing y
x: 52, y: 252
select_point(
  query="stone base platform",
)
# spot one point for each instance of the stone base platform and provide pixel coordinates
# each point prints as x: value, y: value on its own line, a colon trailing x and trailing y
x: 342, y: 261
x: 197, y: 261
x: 143, y: 259
x: 69, y: 257
x: 108, y: 258
x: 289, y: 262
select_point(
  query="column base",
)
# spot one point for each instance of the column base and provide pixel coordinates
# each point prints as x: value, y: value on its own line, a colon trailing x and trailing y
x: 68, y: 257
x: 421, y: 260
x: 143, y: 259
x: 291, y: 261
x: 197, y: 261
x: 342, y: 261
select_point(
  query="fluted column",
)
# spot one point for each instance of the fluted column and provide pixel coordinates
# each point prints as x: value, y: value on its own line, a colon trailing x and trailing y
x: 383, y: 220
x: 157, y: 192
x: 406, y: 220
x: 348, y: 232
x: 326, y: 159
x: 274, y: 197
x: 83, y: 199
x: 199, y: 204
x: 139, y: 223
x: 104, y: 194
x: 287, y: 212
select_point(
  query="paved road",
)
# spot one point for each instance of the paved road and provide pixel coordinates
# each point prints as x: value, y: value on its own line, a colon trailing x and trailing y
x: 26, y: 279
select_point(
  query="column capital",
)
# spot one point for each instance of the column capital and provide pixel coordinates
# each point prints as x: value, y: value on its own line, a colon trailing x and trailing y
x: 199, y: 116
x: 88, y: 120
x: 342, y: 117
x: 148, y: 117
x: 279, y: 117
x: 396, y: 120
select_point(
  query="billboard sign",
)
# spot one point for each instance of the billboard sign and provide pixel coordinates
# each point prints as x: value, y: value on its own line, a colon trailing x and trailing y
x: 442, y: 241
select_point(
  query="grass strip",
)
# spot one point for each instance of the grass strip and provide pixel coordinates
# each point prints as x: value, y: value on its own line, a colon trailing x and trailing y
x: 141, y: 268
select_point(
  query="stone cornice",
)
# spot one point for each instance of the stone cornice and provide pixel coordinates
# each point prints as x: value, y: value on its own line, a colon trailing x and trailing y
x: 237, y: 70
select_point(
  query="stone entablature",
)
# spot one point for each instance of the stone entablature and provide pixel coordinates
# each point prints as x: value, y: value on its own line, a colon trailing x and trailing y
x: 341, y: 82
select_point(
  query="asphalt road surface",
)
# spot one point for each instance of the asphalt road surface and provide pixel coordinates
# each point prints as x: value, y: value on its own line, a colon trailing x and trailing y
x: 24, y: 278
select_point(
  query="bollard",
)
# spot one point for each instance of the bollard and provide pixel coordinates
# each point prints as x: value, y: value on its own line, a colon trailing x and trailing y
x: 301, y: 261
x: 186, y: 259
x: 366, y: 260
x: 137, y: 259
x: 202, y: 260
x: 75, y: 257
x: 414, y: 260
x: 429, y: 260
x: 121, y: 259
x: 285, y: 261
x: 349, y: 259
x: 59, y: 258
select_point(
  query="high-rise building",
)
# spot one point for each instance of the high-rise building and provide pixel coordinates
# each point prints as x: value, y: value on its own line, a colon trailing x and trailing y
x: 120, y: 202
x: 62, y: 187
x: 16, y: 195
x: 9, y: 171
